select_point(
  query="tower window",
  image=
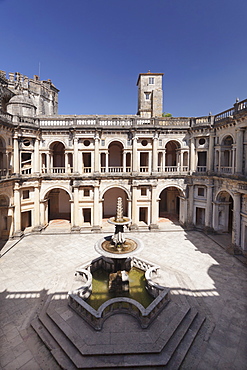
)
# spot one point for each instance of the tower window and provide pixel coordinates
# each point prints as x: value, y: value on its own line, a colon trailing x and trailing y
x: 151, y: 80
x: 147, y: 95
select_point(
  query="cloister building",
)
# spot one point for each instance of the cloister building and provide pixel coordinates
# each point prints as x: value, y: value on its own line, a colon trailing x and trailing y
x: 74, y: 167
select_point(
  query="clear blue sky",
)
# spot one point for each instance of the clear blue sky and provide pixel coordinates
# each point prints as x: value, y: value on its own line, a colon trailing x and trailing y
x: 94, y: 50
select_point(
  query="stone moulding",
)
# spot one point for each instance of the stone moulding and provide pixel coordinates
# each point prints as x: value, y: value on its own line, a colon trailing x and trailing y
x: 113, y: 306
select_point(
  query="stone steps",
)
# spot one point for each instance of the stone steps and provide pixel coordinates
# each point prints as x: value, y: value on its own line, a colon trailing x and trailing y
x: 176, y: 326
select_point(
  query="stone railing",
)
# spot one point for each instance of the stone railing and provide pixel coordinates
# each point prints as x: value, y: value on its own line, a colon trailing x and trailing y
x: 174, y: 122
x: 29, y: 120
x: 202, y: 121
x: 113, y: 122
x: 113, y: 306
x: 5, y: 116
x: 242, y: 105
x: 201, y: 168
x: 224, y: 115
x: 123, y: 121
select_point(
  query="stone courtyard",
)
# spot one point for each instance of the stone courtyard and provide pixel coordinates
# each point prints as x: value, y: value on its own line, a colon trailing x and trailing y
x: 196, y: 269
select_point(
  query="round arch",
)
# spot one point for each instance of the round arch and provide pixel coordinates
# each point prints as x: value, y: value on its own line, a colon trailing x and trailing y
x: 224, y: 211
x: 115, y: 150
x: 112, y: 140
x: 227, y: 140
x: 109, y: 198
x: 46, y: 191
x: 171, y: 158
x: 176, y: 141
x: 59, y: 203
x: 50, y: 143
x: 169, y: 201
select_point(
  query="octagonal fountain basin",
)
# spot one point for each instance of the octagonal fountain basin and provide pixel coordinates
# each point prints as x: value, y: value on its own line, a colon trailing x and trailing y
x: 94, y: 303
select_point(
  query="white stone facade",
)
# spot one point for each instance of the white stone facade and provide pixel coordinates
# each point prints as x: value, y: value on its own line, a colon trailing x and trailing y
x: 75, y: 167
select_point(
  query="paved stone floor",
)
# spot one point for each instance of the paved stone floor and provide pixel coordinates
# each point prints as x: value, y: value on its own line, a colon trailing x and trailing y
x: 43, y: 264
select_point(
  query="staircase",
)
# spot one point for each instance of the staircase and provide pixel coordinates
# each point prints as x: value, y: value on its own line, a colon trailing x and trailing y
x: 121, y: 343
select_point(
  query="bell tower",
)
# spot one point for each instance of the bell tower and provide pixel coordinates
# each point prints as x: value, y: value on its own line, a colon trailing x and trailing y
x: 150, y: 95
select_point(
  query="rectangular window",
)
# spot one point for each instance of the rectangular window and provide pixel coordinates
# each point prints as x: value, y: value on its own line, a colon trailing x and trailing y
x: 86, y: 192
x: 25, y: 194
x: 103, y: 142
x: 147, y: 95
x: 151, y: 80
x: 143, y: 191
x: 201, y: 192
x: 160, y: 142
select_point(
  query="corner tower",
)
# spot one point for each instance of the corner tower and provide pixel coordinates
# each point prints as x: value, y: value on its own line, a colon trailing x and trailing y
x: 150, y: 94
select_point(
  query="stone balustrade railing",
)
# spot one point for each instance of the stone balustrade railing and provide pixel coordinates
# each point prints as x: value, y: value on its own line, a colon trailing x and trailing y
x: 5, y: 116
x: 96, y: 318
x: 101, y: 121
x: 129, y: 306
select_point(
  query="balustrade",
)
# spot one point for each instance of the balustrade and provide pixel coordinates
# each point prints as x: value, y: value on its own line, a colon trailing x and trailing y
x: 144, y: 169
x: 224, y: 169
x: 171, y: 169
x: 201, y: 168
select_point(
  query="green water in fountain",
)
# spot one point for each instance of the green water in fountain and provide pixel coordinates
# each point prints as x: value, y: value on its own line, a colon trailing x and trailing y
x: 137, y: 291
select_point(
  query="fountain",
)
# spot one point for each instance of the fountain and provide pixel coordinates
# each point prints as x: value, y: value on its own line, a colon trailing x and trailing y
x: 118, y: 258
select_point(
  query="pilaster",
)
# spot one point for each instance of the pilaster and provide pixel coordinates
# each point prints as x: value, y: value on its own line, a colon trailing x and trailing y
x: 239, y: 151
x: 236, y: 232
x: 154, y: 209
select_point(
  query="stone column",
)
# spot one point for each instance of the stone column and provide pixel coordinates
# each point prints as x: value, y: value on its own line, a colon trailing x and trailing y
x: 155, y: 154
x: 36, y: 157
x: 236, y: 219
x: 66, y: 157
x: 16, y: 156
x: 43, y: 220
x: 96, y: 226
x: 182, y: 160
x: 183, y: 210
x: 135, y: 209
x: 36, y: 226
x: 209, y: 208
x: 129, y: 209
x: 164, y: 161
x: 96, y: 154
x: 80, y: 162
x: 17, y: 212
x: 192, y: 155
x: 134, y: 155
x: 124, y: 161
x: 76, y: 210
x: 239, y: 151
x: 149, y: 162
x: 107, y: 161
x: 154, y: 209
x: 190, y: 205
x: 51, y: 163
x: 233, y: 160
x: 75, y: 162
x: 210, y: 162
x: 220, y: 155
x: 215, y: 221
x: 11, y: 215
